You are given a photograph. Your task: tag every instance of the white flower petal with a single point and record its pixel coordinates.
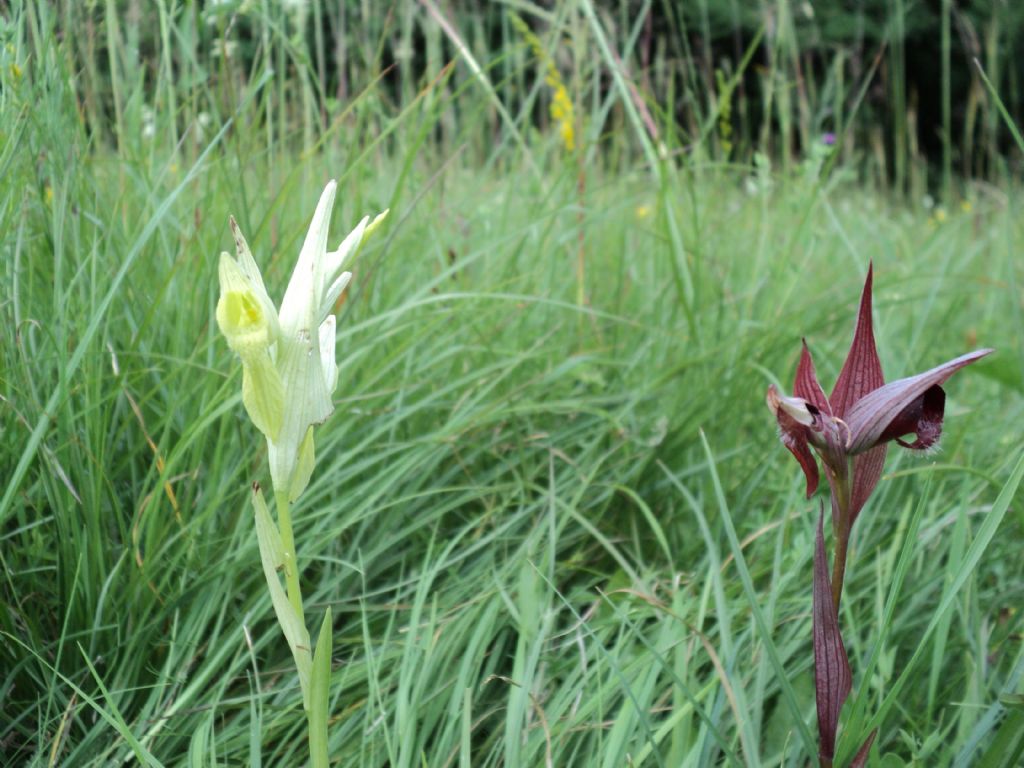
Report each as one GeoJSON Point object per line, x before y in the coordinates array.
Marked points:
{"type": "Point", "coordinates": [308, 401]}
{"type": "Point", "coordinates": [301, 298]}
{"type": "Point", "coordinates": [336, 259]}
{"type": "Point", "coordinates": [247, 265]}
{"type": "Point", "coordinates": [333, 293]}
{"type": "Point", "coordinates": [797, 408]}
{"type": "Point", "coordinates": [327, 342]}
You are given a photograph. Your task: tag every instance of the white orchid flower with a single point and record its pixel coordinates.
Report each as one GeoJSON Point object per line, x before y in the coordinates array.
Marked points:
{"type": "Point", "coordinates": [289, 369]}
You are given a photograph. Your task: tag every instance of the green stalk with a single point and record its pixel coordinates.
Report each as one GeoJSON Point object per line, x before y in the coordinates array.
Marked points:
{"type": "Point", "coordinates": [291, 571]}
{"type": "Point", "coordinates": [316, 715]}
{"type": "Point", "coordinates": [841, 532]}
{"type": "Point", "coordinates": [318, 757]}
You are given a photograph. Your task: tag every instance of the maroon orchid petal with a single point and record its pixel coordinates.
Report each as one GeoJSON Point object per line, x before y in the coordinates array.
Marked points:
{"type": "Point", "coordinates": [806, 384]}
{"type": "Point", "coordinates": [923, 417]}
{"type": "Point", "coordinates": [832, 678]}
{"type": "Point", "coordinates": [798, 447]}
{"type": "Point", "coordinates": [861, 758]}
{"type": "Point", "coordinates": [872, 415]}
{"type": "Point", "coordinates": [794, 436]}
{"type": "Point", "coordinates": [862, 371]}
{"type": "Point", "coordinates": [867, 471]}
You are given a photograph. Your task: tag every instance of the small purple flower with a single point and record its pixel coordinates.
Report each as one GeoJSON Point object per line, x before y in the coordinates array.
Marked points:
{"type": "Point", "coordinates": [828, 139]}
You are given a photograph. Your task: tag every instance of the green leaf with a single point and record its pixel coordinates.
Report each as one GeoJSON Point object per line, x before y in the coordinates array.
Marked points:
{"type": "Point", "coordinates": [305, 461]}
{"type": "Point", "coordinates": [294, 630]}
{"type": "Point", "coordinates": [1007, 747]}
{"type": "Point", "coordinates": [266, 531]}
{"type": "Point", "coordinates": [320, 686]}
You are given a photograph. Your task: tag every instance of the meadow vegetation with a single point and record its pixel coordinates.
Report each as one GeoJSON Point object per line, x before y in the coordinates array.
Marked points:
{"type": "Point", "coordinates": [551, 514]}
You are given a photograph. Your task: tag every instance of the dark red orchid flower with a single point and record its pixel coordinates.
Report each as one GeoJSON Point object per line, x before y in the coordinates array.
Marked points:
{"type": "Point", "coordinates": [854, 424]}
{"type": "Point", "coordinates": [850, 431]}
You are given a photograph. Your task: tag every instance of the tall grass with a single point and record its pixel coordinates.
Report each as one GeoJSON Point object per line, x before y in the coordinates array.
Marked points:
{"type": "Point", "coordinates": [532, 555]}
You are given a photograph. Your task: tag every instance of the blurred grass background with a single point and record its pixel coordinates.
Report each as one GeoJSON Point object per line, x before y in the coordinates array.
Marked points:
{"type": "Point", "coordinates": [532, 555]}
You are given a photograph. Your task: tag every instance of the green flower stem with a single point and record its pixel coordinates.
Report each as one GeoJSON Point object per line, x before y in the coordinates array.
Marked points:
{"type": "Point", "coordinates": [841, 532]}
{"type": "Point", "coordinates": [291, 571]}
{"type": "Point", "coordinates": [317, 729]}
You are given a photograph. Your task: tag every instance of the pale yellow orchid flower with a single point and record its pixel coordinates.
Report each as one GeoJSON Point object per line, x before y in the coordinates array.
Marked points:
{"type": "Point", "coordinates": [289, 371]}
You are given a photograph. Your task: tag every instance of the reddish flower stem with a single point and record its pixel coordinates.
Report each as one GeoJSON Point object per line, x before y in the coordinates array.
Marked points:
{"type": "Point", "coordinates": [839, 567]}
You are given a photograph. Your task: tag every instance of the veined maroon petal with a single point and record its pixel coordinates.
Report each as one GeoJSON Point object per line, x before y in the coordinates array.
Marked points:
{"type": "Point", "coordinates": [832, 679]}
{"type": "Point", "coordinates": [871, 416]}
{"type": "Point", "coordinates": [923, 417]}
{"type": "Point", "coordinates": [797, 445]}
{"type": "Point", "coordinates": [862, 371]}
{"type": "Point", "coordinates": [794, 436]}
{"type": "Point", "coordinates": [806, 384]}
{"type": "Point", "coordinates": [867, 471]}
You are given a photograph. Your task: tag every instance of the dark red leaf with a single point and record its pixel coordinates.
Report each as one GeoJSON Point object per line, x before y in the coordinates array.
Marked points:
{"type": "Point", "coordinates": [862, 371]}
{"type": "Point", "coordinates": [806, 384]}
{"type": "Point", "coordinates": [861, 758]}
{"type": "Point", "coordinates": [832, 677]}
{"type": "Point", "coordinates": [871, 416]}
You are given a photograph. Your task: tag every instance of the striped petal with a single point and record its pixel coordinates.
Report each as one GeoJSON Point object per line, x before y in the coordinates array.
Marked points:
{"type": "Point", "coordinates": [892, 407]}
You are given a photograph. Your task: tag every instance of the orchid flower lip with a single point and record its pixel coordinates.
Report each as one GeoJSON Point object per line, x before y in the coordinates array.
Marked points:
{"type": "Point", "coordinates": [799, 409]}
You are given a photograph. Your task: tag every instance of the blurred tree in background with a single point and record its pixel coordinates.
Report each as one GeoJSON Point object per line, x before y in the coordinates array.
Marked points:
{"type": "Point", "coordinates": [896, 80]}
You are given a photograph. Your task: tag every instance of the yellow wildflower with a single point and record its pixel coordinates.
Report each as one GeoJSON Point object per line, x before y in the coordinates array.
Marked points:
{"type": "Point", "coordinates": [561, 109]}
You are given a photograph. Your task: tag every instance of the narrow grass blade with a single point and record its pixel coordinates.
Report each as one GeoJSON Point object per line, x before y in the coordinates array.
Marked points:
{"type": "Point", "coordinates": [84, 343]}
{"type": "Point", "coordinates": [985, 535]}
{"type": "Point", "coordinates": [788, 695]}
{"type": "Point", "coordinates": [319, 694]}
